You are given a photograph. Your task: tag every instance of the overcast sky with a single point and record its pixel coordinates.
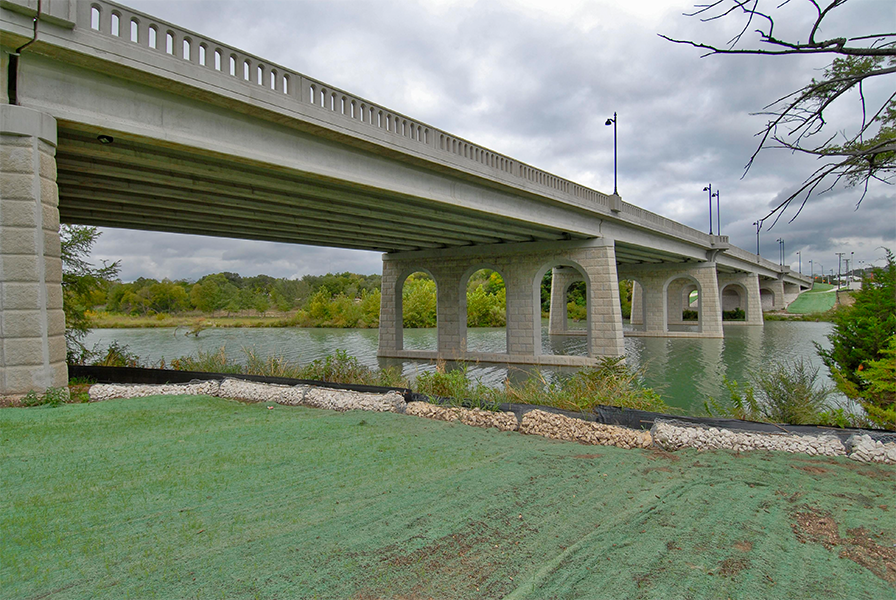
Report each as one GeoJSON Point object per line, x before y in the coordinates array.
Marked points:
{"type": "Point", "coordinates": [536, 80]}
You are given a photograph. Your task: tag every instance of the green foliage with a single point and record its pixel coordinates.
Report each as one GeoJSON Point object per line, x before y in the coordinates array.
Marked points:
{"type": "Point", "coordinates": [784, 393]}
{"type": "Point", "coordinates": [611, 382]}
{"type": "Point", "coordinates": [80, 281]}
{"type": "Point", "coordinates": [879, 394]}
{"type": "Point", "coordinates": [486, 300]}
{"type": "Point", "coordinates": [207, 362]}
{"type": "Point", "coordinates": [52, 397]}
{"type": "Point", "coordinates": [116, 356]}
{"type": "Point", "coordinates": [418, 299]}
{"type": "Point", "coordinates": [625, 297]}
{"type": "Point", "coordinates": [456, 387]}
{"type": "Point", "coordinates": [861, 336]}
{"type": "Point", "coordinates": [737, 314]}
{"type": "Point", "coordinates": [343, 368]}
{"type": "Point", "coordinates": [743, 403]}
{"type": "Point", "coordinates": [689, 315]}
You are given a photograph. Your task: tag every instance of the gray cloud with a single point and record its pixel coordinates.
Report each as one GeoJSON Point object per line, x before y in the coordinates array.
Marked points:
{"type": "Point", "coordinates": [537, 82]}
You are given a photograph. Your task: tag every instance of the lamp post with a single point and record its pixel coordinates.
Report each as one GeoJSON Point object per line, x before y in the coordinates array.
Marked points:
{"type": "Point", "coordinates": [781, 249]}
{"type": "Point", "coordinates": [811, 270]}
{"type": "Point", "coordinates": [718, 196]}
{"type": "Point", "coordinates": [613, 123]}
{"type": "Point", "coordinates": [758, 225]}
{"type": "Point", "coordinates": [839, 263]}
{"type": "Point", "coordinates": [708, 188]}
{"type": "Point", "coordinates": [800, 257]}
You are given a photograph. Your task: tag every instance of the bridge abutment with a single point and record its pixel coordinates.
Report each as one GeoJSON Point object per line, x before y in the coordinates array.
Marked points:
{"type": "Point", "coordinates": [32, 323]}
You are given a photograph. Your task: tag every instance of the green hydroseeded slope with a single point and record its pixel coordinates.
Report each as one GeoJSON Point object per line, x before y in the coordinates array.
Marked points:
{"type": "Point", "coordinates": [819, 299]}
{"type": "Point", "coordinates": [198, 497]}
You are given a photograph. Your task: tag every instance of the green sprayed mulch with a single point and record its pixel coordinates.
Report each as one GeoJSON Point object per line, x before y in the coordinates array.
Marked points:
{"type": "Point", "coordinates": [197, 497]}
{"type": "Point", "coordinates": [814, 301]}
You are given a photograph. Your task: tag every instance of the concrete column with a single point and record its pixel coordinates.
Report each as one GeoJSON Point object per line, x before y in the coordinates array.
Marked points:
{"type": "Point", "coordinates": [674, 304]}
{"type": "Point", "coordinates": [654, 304]}
{"type": "Point", "coordinates": [637, 305]}
{"type": "Point", "coordinates": [451, 323]}
{"type": "Point", "coordinates": [776, 287]}
{"type": "Point", "coordinates": [523, 306]}
{"type": "Point", "coordinates": [561, 279]}
{"type": "Point", "coordinates": [32, 324]}
{"type": "Point", "coordinates": [754, 302]}
{"type": "Point", "coordinates": [604, 311]}
{"type": "Point", "coordinates": [390, 330]}
{"type": "Point", "coordinates": [710, 303]}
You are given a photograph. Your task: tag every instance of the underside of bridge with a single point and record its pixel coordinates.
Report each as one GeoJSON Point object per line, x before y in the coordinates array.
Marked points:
{"type": "Point", "coordinates": [137, 183]}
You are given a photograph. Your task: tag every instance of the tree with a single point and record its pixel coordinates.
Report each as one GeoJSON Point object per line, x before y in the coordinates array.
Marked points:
{"type": "Point", "coordinates": [80, 278]}
{"type": "Point", "coordinates": [854, 153]}
{"type": "Point", "coordinates": [861, 335]}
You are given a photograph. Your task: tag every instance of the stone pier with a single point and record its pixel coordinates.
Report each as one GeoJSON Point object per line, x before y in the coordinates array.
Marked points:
{"type": "Point", "coordinates": [32, 324]}
{"type": "Point", "coordinates": [522, 266]}
{"type": "Point", "coordinates": [659, 296]}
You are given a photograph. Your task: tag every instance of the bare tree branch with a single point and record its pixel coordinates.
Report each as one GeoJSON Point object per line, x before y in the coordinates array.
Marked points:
{"type": "Point", "coordinates": [797, 121]}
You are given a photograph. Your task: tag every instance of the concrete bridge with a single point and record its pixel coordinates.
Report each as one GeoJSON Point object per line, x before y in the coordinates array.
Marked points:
{"type": "Point", "coordinates": [112, 117]}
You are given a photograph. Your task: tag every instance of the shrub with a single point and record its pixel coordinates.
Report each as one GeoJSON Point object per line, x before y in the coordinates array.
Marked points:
{"type": "Point", "coordinates": [737, 314]}
{"type": "Point", "coordinates": [861, 336]}
{"type": "Point", "coordinates": [456, 387]}
{"type": "Point", "coordinates": [784, 393]}
{"type": "Point", "coordinates": [52, 397]}
{"type": "Point", "coordinates": [611, 382]}
{"type": "Point", "coordinates": [879, 395]}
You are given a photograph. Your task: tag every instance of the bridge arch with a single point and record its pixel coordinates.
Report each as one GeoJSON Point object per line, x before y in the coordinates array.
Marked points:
{"type": "Point", "coordinates": [676, 289]}
{"type": "Point", "coordinates": [399, 298]}
{"type": "Point", "coordinates": [559, 345]}
{"type": "Point", "coordinates": [464, 308]}
{"type": "Point", "coordinates": [734, 296]}
{"type": "Point", "coordinates": [767, 298]}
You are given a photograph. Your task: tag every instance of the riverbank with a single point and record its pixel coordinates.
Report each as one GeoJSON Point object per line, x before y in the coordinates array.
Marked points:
{"type": "Point", "coordinates": [199, 496]}
{"type": "Point", "coordinates": [191, 321]}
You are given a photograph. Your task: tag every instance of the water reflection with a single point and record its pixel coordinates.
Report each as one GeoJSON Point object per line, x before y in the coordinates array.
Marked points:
{"type": "Point", "coordinates": [685, 370]}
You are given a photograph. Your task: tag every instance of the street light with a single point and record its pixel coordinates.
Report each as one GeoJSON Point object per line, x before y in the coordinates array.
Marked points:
{"type": "Point", "coordinates": [811, 270]}
{"type": "Point", "coordinates": [758, 225]}
{"type": "Point", "coordinates": [708, 188]}
{"type": "Point", "coordinates": [839, 263]}
{"type": "Point", "coordinates": [800, 257]}
{"type": "Point", "coordinates": [613, 123]}
{"type": "Point", "coordinates": [718, 196]}
{"type": "Point", "coordinates": [781, 248]}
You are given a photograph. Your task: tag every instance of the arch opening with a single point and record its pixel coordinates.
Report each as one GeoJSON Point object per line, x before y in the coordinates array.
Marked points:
{"type": "Point", "coordinates": [683, 307]}
{"type": "Point", "coordinates": [486, 310]}
{"type": "Point", "coordinates": [418, 311]}
{"type": "Point", "coordinates": [734, 302]}
{"type": "Point", "coordinates": [564, 293]}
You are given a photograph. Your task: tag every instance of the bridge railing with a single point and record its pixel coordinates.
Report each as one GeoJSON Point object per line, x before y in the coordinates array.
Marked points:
{"type": "Point", "coordinates": [357, 114]}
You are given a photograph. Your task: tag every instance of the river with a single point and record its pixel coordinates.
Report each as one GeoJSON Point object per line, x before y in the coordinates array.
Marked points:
{"type": "Point", "coordinates": [686, 371]}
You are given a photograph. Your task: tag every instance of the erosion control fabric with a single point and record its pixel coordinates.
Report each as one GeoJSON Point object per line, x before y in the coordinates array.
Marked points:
{"type": "Point", "coordinates": [198, 497]}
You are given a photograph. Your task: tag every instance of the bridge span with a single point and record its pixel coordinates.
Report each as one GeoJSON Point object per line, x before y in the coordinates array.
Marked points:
{"type": "Point", "coordinates": [111, 117]}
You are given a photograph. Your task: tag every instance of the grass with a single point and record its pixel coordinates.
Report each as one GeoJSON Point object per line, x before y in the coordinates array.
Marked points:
{"type": "Point", "coordinates": [197, 497]}
{"type": "Point", "coordinates": [817, 300]}
{"type": "Point", "coordinates": [104, 320]}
